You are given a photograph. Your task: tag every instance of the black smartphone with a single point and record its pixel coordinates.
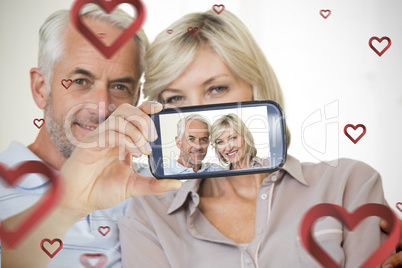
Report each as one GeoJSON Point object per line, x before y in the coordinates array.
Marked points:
{"type": "Point", "coordinates": [218, 140]}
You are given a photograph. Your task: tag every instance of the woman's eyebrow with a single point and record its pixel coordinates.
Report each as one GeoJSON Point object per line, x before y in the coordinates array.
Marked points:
{"type": "Point", "coordinates": [171, 90]}
{"type": "Point", "coordinates": [215, 77]}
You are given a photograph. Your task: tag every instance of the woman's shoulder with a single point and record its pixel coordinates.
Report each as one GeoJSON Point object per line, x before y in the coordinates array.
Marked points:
{"type": "Point", "coordinates": [342, 169]}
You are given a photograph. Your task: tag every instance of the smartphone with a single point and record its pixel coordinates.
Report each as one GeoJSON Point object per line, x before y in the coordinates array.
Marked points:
{"type": "Point", "coordinates": [218, 140]}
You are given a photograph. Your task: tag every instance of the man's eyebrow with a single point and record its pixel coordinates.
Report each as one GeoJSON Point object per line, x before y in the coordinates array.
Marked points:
{"type": "Point", "coordinates": [83, 72]}
{"type": "Point", "coordinates": [126, 80]}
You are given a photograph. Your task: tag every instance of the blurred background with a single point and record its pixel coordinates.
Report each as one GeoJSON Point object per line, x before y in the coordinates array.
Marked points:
{"type": "Point", "coordinates": [329, 74]}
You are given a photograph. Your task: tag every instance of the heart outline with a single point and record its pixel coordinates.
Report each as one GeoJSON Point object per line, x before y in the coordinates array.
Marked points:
{"type": "Point", "coordinates": [397, 206]}
{"type": "Point", "coordinates": [218, 12]}
{"type": "Point", "coordinates": [39, 126]}
{"type": "Point", "coordinates": [108, 6]}
{"type": "Point", "coordinates": [351, 220]}
{"type": "Point", "coordinates": [104, 227]}
{"type": "Point", "coordinates": [41, 209]}
{"type": "Point", "coordinates": [66, 80]}
{"type": "Point", "coordinates": [51, 255]}
{"type": "Point", "coordinates": [192, 28]}
{"type": "Point", "coordinates": [101, 262]}
{"type": "Point", "coordinates": [379, 41]}
{"type": "Point", "coordinates": [325, 10]}
{"type": "Point", "coordinates": [354, 128]}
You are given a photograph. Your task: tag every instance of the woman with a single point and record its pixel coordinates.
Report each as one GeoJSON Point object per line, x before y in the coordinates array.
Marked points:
{"type": "Point", "coordinates": [234, 144]}
{"type": "Point", "coordinates": [239, 221]}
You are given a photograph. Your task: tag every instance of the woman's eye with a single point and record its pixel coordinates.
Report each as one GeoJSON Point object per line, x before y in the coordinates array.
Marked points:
{"type": "Point", "coordinates": [174, 99]}
{"type": "Point", "coordinates": [218, 142]}
{"type": "Point", "coordinates": [233, 138]}
{"type": "Point", "coordinates": [219, 89]}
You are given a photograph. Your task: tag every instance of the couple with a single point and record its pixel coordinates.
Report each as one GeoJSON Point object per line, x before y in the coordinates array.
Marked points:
{"type": "Point", "coordinates": [241, 221]}
{"type": "Point", "coordinates": [232, 140]}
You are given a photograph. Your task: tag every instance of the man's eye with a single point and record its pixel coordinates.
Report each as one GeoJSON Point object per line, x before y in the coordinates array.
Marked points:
{"type": "Point", "coordinates": [81, 82]}
{"type": "Point", "coordinates": [174, 99]}
{"type": "Point", "coordinates": [121, 87]}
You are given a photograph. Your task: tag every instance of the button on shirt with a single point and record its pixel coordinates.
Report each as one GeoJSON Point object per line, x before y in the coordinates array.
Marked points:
{"type": "Point", "coordinates": [96, 233]}
{"type": "Point", "coordinates": [171, 231]}
{"type": "Point", "coordinates": [174, 167]}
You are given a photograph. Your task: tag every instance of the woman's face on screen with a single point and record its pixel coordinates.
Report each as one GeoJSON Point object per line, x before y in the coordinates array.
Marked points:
{"type": "Point", "coordinates": [207, 80]}
{"type": "Point", "coordinates": [230, 145]}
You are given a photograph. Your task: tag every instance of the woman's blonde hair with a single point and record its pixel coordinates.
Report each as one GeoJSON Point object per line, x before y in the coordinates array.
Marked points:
{"type": "Point", "coordinates": [170, 54]}
{"type": "Point", "coordinates": [235, 122]}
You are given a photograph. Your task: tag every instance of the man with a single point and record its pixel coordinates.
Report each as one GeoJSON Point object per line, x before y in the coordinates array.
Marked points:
{"type": "Point", "coordinates": [192, 139]}
{"type": "Point", "coordinates": [90, 134]}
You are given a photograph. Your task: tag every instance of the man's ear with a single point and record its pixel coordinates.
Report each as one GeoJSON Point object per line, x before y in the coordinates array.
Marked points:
{"type": "Point", "coordinates": [178, 142]}
{"type": "Point", "coordinates": [138, 96]}
{"type": "Point", "coordinates": [38, 87]}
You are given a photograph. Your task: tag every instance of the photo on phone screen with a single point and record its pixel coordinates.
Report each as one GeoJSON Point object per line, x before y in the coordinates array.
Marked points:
{"type": "Point", "coordinates": [218, 140]}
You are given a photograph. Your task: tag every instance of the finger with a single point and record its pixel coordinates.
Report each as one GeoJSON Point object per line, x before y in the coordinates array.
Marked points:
{"type": "Point", "coordinates": [393, 261]}
{"type": "Point", "coordinates": [151, 107]}
{"type": "Point", "coordinates": [143, 185]}
{"type": "Point", "coordinates": [138, 118]}
{"type": "Point", "coordinates": [385, 226]}
{"type": "Point", "coordinates": [132, 137]}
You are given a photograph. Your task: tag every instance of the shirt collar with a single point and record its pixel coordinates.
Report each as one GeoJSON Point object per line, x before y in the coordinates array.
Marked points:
{"type": "Point", "coordinates": [179, 168]}
{"type": "Point", "coordinates": [292, 166]}
{"type": "Point", "coordinates": [17, 153]}
{"type": "Point", "coordinates": [188, 187]}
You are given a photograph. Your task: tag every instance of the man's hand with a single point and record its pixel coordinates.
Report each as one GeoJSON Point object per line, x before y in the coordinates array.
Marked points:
{"type": "Point", "coordinates": [396, 259]}
{"type": "Point", "coordinates": [101, 176]}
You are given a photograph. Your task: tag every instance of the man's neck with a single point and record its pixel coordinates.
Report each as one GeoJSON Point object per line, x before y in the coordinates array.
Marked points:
{"type": "Point", "coordinates": [43, 147]}
{"type": "Point", "coordinates": [188, 165]}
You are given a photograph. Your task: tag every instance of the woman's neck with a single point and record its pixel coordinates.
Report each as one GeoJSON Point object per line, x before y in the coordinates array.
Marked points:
{"type": "Point", "coordinates": [245, 186]}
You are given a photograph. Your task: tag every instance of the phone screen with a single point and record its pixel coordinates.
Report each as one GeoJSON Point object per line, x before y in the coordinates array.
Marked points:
{"type": "Point", "coordinates": [218, 140]}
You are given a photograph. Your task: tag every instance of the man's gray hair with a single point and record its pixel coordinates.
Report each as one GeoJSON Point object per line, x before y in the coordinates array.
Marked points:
{"type": "Point", "coordinates": [51, 36]}
{"type": "Point", "coordinates": [181, 125]}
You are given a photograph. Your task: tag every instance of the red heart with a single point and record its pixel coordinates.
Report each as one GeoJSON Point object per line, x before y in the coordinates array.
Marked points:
{"type": "Point", "coordinates": [101, 262]}
{"type": "Point", "coordinates": [379, 40]}
{"type": "Point", "coordinates": [37, 213]}
{"type": "Point", "coordinates": [397, 206]}
{"type": "Point", "coordinates": [169, 31]}
{"type": "Point", "coordinates": [325, 13]}
{"type": "Point", "coordinates": [190, 30]}
{"type": "Point", "coordinates": [38, 120]}
{"type": "Point", "coordinates": [354, 128]}
{"type": "Point", "coordinates": [350, 220]}
{"type": "Point", "coordinates": [108, 6]}
{"type": "Point", "coordinates": [51, 255]}
{"type": "Point", "coordinates": [100, 228]}
{"type": "Point", "coordinates": [68, 84]}
{"type": "Point", "coordinates": [218, 8]}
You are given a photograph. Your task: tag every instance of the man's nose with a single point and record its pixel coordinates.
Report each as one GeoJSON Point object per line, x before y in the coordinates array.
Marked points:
{"type": "Point", "coordinates": [101, 96]}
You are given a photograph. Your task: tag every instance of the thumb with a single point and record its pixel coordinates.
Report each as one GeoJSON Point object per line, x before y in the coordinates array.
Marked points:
{"type": "Point", "coordinates": [144, 185]}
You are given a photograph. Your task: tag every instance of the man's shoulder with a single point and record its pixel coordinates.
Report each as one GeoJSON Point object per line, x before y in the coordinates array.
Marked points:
{"type": "Point", "coordinates": [16, 153]}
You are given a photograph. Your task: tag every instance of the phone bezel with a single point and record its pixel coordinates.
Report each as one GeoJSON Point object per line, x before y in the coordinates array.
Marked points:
{"type": "Point", "coordinates": [273, 109]}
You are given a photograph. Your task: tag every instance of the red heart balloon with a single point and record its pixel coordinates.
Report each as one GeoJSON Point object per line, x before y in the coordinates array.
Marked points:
{"type": "Point", "coordinates": [108, 6]}
{"type": "Point", "coordinates": [379, 53]}
{"type": "Point", "coordinates": [39, 211]}
{"type": "Point", "coordinates": [350, 220]}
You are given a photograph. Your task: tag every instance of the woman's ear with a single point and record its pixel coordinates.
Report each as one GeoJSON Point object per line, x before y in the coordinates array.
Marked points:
{"type": "Point", "coordinates": [38, 87]}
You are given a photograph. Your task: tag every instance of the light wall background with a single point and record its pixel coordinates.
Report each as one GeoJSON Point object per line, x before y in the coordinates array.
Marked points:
{"type": "Point", "coordinates": [329, 74]}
